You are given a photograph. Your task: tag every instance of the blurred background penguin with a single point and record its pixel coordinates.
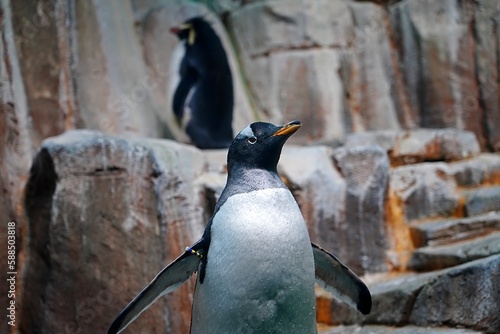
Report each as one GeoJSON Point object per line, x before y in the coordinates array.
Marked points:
{"type": "Point", "coordinates": [205, 85]}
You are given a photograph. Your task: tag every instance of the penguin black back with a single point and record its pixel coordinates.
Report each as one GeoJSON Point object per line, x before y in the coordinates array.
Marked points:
{"type": "Point", "coordinates": [205, 70]}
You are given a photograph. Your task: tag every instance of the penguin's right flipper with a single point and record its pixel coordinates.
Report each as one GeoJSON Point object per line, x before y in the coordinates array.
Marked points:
{"type": "Point", "coordinates": [167, 280]}
{"type": "Point", "coordinates": [333, 276]}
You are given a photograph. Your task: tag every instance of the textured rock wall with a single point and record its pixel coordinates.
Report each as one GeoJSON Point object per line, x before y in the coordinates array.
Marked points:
{"type": "Point", "coordinates": [106, 210]}
{"type": "Point", "coordinates": [356, 66]}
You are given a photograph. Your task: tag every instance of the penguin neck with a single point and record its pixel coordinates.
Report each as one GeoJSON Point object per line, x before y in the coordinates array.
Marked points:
{"type": "Point", "coordinates": [242, 179]}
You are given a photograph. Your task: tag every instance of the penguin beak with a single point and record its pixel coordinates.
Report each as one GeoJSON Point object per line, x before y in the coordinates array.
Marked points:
{"type": "Point", "coordinates": [288, 129]}
{"type": "Point", "coordinates": [175, 30]}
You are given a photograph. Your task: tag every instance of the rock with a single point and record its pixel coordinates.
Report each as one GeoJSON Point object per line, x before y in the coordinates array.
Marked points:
{"type": "Point", "coordinates": [438, 59]}
{"type": "Point", "coordinates": [439, 257]}
{"type": "Point", "coordinates": [424, 190]}
{"type": "Point", "coordinates": [316, 97]}
{"type": "Point", "coordinates": [15, 154]}
{"type": "Point", "coordinates": [320, 192]}
{"type": "Point", "coordinates": [362, 237]}
{"type": "Point", "coordinates": [45, 67]}
{"type": "Point", "coordinates": [442, 302]}
{"type": "Point", "coordinates": [414, 146]}
{"type": "Point", "coordinates": [483, 169]}
{"type": "Point", "coordinates": [115, 87]}
{"type": "Point", "coordinates": [374, 329]}
{"type": "Point", "coordinates": [435, 299]}
{"type": "Point", "coordinates": [268, 26]}
{"type": "Point", "coordinates": [330, 76]}
{"type": "Point", "coordinates": [105, 216]}
{"type": "Point", "coordinates": [482, 200]}
{"type": "Point", "coordinates": [486, 33]}
{"type": "Point", "coordinates": [163, 51]}
{"type": "Point", "coordinates": [446, 231]}
{"type": "Point", "coordinates": [370, 70]}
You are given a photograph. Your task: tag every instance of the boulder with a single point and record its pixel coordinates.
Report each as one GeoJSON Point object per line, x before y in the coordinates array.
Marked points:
{"type": "Point", "coordinates": [363, 237]}
{"type": "Point", "coordinates": [487, 36]}
{"type": "Point", "coordinates": [341, 194]}
{"type": "Point", "coordinates": [320, 191]}
{"type": "Point", "coordinates": [316, 59]}
{"type": "Point", "coordinates": [424, 190]}
{"type": "Point", "coordinates": [45, 67]}
{"type": "Point", "coordinates": [439, 257]}
{"type": "Point", "coordinates": [115, 88]}
{"type": "Point", "coordinates": [377, 329]}
{"type": "Point", "coordinates": [482, 200]}
{"type": "Point", "coordinates": [105, 215]}
{"type": "Point", "coordinates": [442, 301]}
{"type": "Point", "coordinates": [414, 146]}
{"type": "Point", "coordinates": [15, 154]}
{"type": "Point", "coordinates": [265, 27]}
{"type": "Point", "coordinates": [437, 51]}
{"type": "Point", "coordinates": [435, 299]}
{"type": "Point", "coordinates": [483, 169]}
{"type": "Point", "coordinates": [439, 232]}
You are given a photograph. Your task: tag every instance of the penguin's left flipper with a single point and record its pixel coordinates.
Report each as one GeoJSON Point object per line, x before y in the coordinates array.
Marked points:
{"type": "Point", "coordinates": [333, 276]}
{"type": "Point", "coordinates": [167, 280]}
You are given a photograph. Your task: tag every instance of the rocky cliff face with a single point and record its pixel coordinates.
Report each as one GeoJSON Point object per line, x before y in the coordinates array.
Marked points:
{"type": "Point", "coordinates": [403, 184]}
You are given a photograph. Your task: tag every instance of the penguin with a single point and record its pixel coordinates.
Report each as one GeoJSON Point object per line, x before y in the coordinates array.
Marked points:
{"type": "Point", "coordinates": [204, 70]}
{"type": "Point", "coordinates": [255, 262]}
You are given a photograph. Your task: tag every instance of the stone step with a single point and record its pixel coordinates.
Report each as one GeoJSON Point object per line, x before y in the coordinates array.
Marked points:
{"type": "Point", "coordinates": [439, 257]}
{"type": "Point", "coordinates": [440, 232]}
{"type": "Point", "coordinates": [483, 169]}
{"type": "Point", "coordinates": [377, 329]}
{"type": "Point", "coordinates": [482, 200]}
{"type": "Point", "coordinates": [464, 296]}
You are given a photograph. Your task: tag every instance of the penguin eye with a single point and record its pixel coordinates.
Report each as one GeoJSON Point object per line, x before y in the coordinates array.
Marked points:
{"type": "Point", "coordinates": [252, 140]}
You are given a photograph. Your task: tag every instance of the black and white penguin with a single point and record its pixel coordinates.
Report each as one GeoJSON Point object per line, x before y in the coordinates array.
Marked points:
{"type": "Point", "coordinates": [205, 70]}
{"type": "Point", "coordinates": [256, 265]}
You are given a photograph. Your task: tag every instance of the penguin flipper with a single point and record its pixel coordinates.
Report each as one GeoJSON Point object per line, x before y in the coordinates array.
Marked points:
{"type": "Point", "coordinates": [167, 280]}
{"type": "Point", "coordinates": [188, 80]}
{"type": "Point", "coordinates": [336, 278]}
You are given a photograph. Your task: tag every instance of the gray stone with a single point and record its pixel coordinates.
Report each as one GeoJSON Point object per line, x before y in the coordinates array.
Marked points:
{"type": "Point", "coordinates": [370, 71]}
{"type": "Point", "coordinates": [115, 89]}
{"type": "Point", "coordinates": [373, 329]}
{"type": "Point", "coordinates": [320, 192]}
{"type": "Point", "coordinates": [446, 231]}
{"type": "Point", "coordinates": [413, 146]}
{"type": "Point", "coordinates": [266, 27]}
{"type": "Point", "coordinates": [487, 35]}
{"type": "Point", "coordinates": [15, 154]}
{"type": "Point", "coordinates": [305, 85]}
{"type": "Point", "coordinates": [297, 68]}
{"type": "Point", "coordinates": [435, 299]}
{"type": "Point", "coordinates": [482, 200]}
{"type": "Point", "coordinates": [107, 213]}
{"type": "Point", "coordinates": [163, 51]}
{"type": "Point", "coordinates": [465, 296]}
{"type": "Point", "coordinates": [438, 61]}
{"type": "Point", "coordinates": [392, 301]}
{"type": "Point", "coordinates": [439, 257]}
{"type": "Point", "coordinates": [425, 190]}
{"type": "Point", "coordinates": [38, 39]}
{"type": "Point", "coordinates": [483, 169]}
{"type": "Point", "coordinates": [341, 194]}
{"type": "Point", "coordinates": [366, 171]}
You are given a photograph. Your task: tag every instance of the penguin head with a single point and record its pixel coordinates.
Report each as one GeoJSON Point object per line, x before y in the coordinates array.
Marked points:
{"type": "Point", "coordinates": [190, 29]}
{"type": "Point", "coordinates": [258, 146]}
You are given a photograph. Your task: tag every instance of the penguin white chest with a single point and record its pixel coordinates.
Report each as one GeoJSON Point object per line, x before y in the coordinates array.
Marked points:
{"type": "Point", "coordinates": [260, 268]}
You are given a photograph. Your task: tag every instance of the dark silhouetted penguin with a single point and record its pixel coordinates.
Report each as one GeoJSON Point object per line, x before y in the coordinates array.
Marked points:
{"type": "Point", "coordinates": [256, 265]}
{"type": "Point", "coordinates": [205, 70]}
